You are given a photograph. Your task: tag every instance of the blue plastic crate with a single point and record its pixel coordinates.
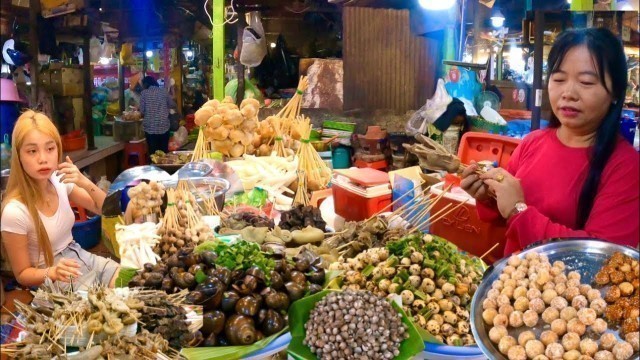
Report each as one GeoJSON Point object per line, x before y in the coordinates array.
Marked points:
{"type": "Point", "coordinates": [87, 233]}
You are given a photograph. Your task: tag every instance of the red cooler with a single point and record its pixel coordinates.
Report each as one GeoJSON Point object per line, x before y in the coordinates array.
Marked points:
{"type": "Point", "coordinates": [463, 227]}
{"type": "Point", "coordinates": [360, 193]}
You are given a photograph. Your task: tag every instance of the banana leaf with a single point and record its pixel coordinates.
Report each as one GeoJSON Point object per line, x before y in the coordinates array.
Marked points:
{"type": "Point", "coordinates": [228, 352]}
{"type": "Point", "coordinates": [333, 279]}
{"type": "Point", "coordinates": [299, 315]}
{"type": "Point", "coordinates": [125, 275]}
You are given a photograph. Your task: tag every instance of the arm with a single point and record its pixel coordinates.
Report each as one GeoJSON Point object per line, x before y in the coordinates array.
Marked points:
{"type": "Point", "coordinates": [614, 217]}
{"type": "Point", "coordinates": [27, 275]}
{"type": "Point", "coordinates": [86, 194]}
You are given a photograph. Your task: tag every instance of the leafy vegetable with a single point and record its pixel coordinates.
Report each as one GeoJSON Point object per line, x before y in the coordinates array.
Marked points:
{"type": "Point", "coordinates": [241, 255]}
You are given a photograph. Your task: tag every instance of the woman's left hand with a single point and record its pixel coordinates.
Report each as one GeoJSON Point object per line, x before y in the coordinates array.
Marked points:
{"type": "Point", "coordinates": [506, 187]}
{"type": "Point", "coordinates": [71, 174]}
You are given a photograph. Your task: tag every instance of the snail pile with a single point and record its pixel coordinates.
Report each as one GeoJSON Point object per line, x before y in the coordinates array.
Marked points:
{"type": "Point", "coordinates": [620, 273]}
{"type": "Point", "coordinates": [240, 220]}
{"type": "Point", "coordinates": [354, 325]}
{"type": "Point", "coordinates": [242, 305]}
{"type": "Point", "coordinates": [532, 293]}
{"type": "Point", "coordinates": [435, 281]}
{"type": "Point", "coordinates": [300, 217]}
{"type": "Point", "coordinates": [230, 129]}
{"type": "Point", "coordinates": [359, 236]}
{"type": "Point", "coordinates": [146, 198]}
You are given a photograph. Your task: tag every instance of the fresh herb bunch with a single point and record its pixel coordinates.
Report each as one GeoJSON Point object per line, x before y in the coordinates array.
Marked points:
{"type": "Point", "coordinates": [241, 255]}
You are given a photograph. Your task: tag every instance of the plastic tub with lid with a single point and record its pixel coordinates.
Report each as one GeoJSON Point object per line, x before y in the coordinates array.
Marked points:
{"type": "Point", "coordinates": [360, 193]}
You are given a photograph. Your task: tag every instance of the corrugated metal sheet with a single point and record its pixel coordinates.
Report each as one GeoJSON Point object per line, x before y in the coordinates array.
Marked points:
{"type": "Point", "coordinates": [385, 65]}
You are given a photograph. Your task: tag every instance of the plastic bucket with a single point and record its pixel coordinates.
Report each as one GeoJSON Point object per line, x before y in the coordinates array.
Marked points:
{"type": "Point", "coordinates": [87, 233]}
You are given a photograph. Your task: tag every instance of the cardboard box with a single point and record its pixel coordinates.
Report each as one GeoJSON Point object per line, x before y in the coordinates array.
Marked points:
{"type": "Point", "coordinates": [67, 82]}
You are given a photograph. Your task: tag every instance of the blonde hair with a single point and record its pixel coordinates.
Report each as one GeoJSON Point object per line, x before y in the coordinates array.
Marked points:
{"type": "Point", "coordinates": [21, 186]}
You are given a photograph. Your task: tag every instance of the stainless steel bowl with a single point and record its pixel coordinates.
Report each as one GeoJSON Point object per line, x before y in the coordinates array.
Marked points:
{"type": "Point", "coordinates": [200, 186]}
{"type": "Point", "coordinates": [193, 170]}
{"type": "Point", "coordinates": [584, 256]}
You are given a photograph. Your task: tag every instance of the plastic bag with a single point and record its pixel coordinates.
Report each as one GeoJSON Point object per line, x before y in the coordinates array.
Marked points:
{"type": "Point", "coordinates": [254, 43]}
{"type": "Point", "coordinates": [430, 112]}
{"type": "Point", "coordinates": [95, 47]}
{"type": "Point", "coordinates": [250, 90]}
{"type": "Point", "coordinates": [104, 184]}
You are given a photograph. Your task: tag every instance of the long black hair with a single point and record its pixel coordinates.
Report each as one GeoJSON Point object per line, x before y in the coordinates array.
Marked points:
{"type": "Point", "coordinates": [609, 58]}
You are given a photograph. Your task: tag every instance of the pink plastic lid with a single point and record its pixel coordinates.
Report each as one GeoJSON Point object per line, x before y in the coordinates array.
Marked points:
{"type": "Point", "coordinates": [365, 176]}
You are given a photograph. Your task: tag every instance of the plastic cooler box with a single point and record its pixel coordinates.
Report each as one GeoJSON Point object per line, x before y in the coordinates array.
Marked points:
{"type": "Point", "coordinates": [360, 193]}
{"type": "Point", "coordinates": [463, 227]}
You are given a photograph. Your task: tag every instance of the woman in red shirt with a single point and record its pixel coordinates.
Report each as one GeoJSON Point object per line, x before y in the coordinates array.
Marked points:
{"type": "Point", "coordinates": [579, 178]}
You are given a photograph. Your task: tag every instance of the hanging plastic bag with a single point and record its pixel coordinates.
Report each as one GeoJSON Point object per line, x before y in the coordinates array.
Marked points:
{"type": "Point", "coordinates": [254, 43]}
{"type": "Point", "coordinates": [95, 47]}
{"type": "Point", "coordinates": [126, 53]}
{"type": "Point", "coordinates": [430, 112]}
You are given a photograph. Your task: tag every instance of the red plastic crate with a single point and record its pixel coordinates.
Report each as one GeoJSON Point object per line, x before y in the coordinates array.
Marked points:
{"type": "Point", "coordinates": [463, 227]}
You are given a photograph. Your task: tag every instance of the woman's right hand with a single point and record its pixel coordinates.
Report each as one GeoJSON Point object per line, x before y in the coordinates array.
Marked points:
{"type": "Point", "coordinates": [473, 185]}
{"type": "Point", "coordinates": [65, 269]}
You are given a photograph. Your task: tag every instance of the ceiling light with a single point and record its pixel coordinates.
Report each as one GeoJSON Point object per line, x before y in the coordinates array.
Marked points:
{"type": "Point", "coordinates": [273, 45]}
{"type": "Point", "coordinates": [149, 53]}
{"type": "Point", "coordinates": [189, 53]}
{"type": "Point", "coordinates": [497, 19]}
{"type": "Point", "coordinates": [437, 4]}
{"type": "Point", "coordinates": [104, 61]}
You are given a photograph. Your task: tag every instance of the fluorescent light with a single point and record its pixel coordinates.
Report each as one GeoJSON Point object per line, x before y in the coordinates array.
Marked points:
{"type": "Point", "coordinates": [437, 4]}
{"type": "Point", "coordinates": [497, 19]}
{"type": "Point", "coordinates": [273, 45]}
{"type": "Point", "coordinates": [189, 53]}
{"type": "Point", "coordinates": [624, 5]}
{"type": "Point", "coordinates": [149, 53]}
{"type": "Point", "coordinates": [104, 61]}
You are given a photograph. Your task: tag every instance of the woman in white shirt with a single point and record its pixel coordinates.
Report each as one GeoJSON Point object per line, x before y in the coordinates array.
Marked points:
{"type": "Point", "coordinates": [36, 215]}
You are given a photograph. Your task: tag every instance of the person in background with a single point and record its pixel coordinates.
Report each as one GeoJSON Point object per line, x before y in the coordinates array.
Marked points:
{"type": "Point", "coordinates": [36, 213]}
{"type": "Point", "coordinates": [154, 106]}
{"type": "Point", "coordinates": [579, 178]}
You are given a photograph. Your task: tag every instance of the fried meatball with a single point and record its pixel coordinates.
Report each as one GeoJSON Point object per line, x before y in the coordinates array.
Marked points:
{"type": "Point", "coordinates": [503, 300]}
{"type": "Point", "coordinates": [599, 326]}
{"type": "Point", "coordinates": [622, 350]}
{"type": "Point", "coordinates": [543, 277]}
{"type": "Point", "coordinates": [549, 295]}
{"type": "Point", "coordinates": [576, 326]}
{"type": "Point", "coordinates": [608, 341]}
{"type": "Point", "coordinates": [571, 341]}
{"type": "Point", "coordinates": [559, 327]}
{"type": "Point", "coordinates": [498, 285]}
{"type": "Point", "coordinates": [509, 269]}
{"type": "Point", "coordinates": [585, 357]}
{"type": "Point", "coordinates": [559, 303]}
{"type": "Point", "coordinates": [571, 293]}
{"type": "Point", "coordinates": [588, 347]}
{"type": "Point", "coordinates": [593, 294]}
{"type": "Point", "coordinates": [537, 305]}
{"type": "Point", "coordinates": [519, 292]}
{"type": "Point", "coordinates": [504, 277]}
{"type": "Point", "coordinates": [501, 320]}
{"type": "Point", "coordinates": [561, 288]}
{"type": "Point", "coordinates": [555, 271]}
{"type": "Point", "coordinates": [521, 304]}
{"type": "Point", "coordinates": [517, 353]}
{"type": "Point", "coordinates": [534, 348]}
{"type": "Point", "coordinates": [533, 294]}
{"type": "Point", "coordinates": [530, 318]}
{"type": "Point", "coordinates": [579, 302]}
{"type": "Point", "coordinates": [602, 278]}
{"type": "Point", "coordinates": [613, 294]}
{"type": "Point", "coordinates": [488, 316]}
{"type": "Point", "coordinates": [554, 351]}
{"type": "Point", "coordinates": [506, 343]}
{"type": "Point", "coordinates": [525, 337]}
{"type": "Point", "coordinates": [616, 277]}
{"type": "Point", "coordinates": [489, 304]}
{"type": "Point", "coordinates": [532, 256]}
{"type": "Point", "coordinates": [496, 333]}
{"type": "Point", "coordinates": [508, 290]}
{"type": "Point", "coordinates": [541, 357]}
{"type": "Point", "coordinates": [633, 339]}
{"type": "Point", "coordinates": [493, 295]}
{"type": "Point", "coordinates": [518, 275]}
{"type": "Point", "coordinates": [587, 316]}
{"type": "Point", "coordinates": [548, 337]}
{"type": "Point", "coordinates": [550, 314]}
{"type": "Point", "coordinates": [630, 325]}
{"type": "Point", "coordinates": [515, 319]}
{"type": "Point", "coordinates": [514, 261]}
{"type": "Point", "coordinates": [573, 283]}
{"type": "Point", "coordinates": [505, 310]}
{"type": "Point", "coordinates": [561, 278]}
{"type": "Point", "coordinates": [568, 313]}
{"type": "Point", "coordinates": [584, 289]}
{"type": "Point", "coordinates": [511, 283]}
{"type": "Point", "coordinates": [599, 305]}
{"type": "Point", "coordinates": [571, 355]}
{"type": "Point", "coordinates": [604, 355]}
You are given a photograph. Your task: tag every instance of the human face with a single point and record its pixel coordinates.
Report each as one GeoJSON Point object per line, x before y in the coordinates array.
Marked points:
{"type": "Point", "coordinates": [39, 155]}
{"type": "Point", "coordinates": [578, 98]}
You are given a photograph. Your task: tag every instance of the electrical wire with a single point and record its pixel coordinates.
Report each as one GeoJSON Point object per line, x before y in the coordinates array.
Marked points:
{"type": "Point", "coordinates": [229, 14]}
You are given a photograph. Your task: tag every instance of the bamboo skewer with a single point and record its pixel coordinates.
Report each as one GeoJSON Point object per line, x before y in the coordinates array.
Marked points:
{"type": "Point", "coordinates": [490, 250]}
{"type": "Point", "coordinates": [316, 170]}
{"type": "Point", "coordinates": [200, 150]}
{"type": "Point", "coordinates": [302, 195]}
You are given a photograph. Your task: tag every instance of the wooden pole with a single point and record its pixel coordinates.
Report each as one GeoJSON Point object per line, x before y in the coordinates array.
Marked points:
{"type": "Point", "coordinates": [217, 52]}
{"type": "Point", "coordinates": [123, 105]}
{"type": "Point", "coordinates": [239, 67]}
{"type": "Point", "coordinates": [34, 11]}
{"type": "Point", "coordinates": [88, 85]}
{"type": "Point", "coordinates": [537, 69]}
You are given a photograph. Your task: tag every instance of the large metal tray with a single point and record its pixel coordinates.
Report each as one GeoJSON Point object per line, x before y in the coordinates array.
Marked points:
{"type": "Point", "coordinates": [581, 255]}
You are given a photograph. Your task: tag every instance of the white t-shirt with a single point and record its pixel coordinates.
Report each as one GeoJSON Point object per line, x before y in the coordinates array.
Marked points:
{"type": "Point", "coordinates": [16, 219]}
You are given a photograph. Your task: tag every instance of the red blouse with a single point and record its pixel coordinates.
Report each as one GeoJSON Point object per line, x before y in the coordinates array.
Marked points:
{"type": "Point", "coordinates": [552, 175]}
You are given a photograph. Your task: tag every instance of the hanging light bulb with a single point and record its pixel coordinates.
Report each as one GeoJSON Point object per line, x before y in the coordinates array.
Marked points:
{"type": "Point", "coordinates": [497, 19]}
{"type": "Point", "coordinates": [437, 4]}
{"type": "Point", "coordinates": [104, 61]}
{"type": "Point", "coordinates": [149, 53]}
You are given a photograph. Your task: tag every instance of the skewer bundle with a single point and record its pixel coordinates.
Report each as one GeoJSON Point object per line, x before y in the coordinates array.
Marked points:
{"type": "Point", "coordinates": [202, 147]}
{"type": "Point", "coordinates": [210, 204]}
{"type": "Point", "coordinates": [292, 109]}
{"type": "Point", "coordinates": [315, 169]}
{"type": "Point", "coordinates": [302, 195]}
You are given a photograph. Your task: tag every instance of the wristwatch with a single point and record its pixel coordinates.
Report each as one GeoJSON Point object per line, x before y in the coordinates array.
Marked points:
{"type": "Point", "coordinates": [518, 208]}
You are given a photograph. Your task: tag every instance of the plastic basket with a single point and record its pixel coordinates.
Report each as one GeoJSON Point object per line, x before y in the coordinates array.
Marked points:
{"type": "Point", "coordinates": [87, 233]}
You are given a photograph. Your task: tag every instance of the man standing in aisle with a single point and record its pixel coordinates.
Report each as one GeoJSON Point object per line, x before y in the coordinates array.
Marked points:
{"type": "Point", "coordinates": [154, 106]}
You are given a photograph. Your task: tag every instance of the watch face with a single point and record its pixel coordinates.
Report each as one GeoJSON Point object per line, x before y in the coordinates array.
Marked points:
{"type": "Point", "coordinates": [521, 207]}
